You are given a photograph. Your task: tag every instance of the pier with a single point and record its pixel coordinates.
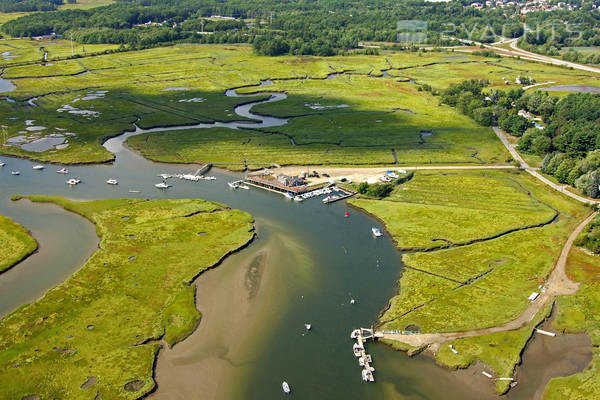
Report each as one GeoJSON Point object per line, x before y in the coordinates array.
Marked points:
{"type": "Point", "coordinates": [362, 335]}
{"type": "Point", "coordinates": [203, 169]}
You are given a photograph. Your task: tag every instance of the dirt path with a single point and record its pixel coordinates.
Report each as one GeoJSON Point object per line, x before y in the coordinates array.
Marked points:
{"type": "Point", "coordinates": [558, 284]}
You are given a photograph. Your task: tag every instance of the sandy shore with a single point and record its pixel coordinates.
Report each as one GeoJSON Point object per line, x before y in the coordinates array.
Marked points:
{"type": "Point", "coordinates": [360, 174]}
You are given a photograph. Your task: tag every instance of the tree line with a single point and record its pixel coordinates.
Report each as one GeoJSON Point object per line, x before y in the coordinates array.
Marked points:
{"type": "Point", "coordinates": [566, 133]}
{"type": "Point", "coordinates": [318, 27]}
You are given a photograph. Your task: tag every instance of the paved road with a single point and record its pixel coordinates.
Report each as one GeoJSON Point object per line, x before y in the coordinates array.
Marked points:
{"type": "Point", "coordinates": [558, 284]}
{"type": "Point", "coordinates": [532, 171]}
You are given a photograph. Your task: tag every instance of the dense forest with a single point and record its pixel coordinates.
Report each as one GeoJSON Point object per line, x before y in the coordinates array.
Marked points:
{"type": "Point", "coordinates": [8, 6]}
{"type": "Point", "coordinates": [322, 27]}
{"type": "Point", "coordinates": [569, 141]}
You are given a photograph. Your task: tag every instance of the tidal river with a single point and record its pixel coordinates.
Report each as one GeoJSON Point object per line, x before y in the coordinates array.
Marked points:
{"type": "Point", "coordinates": [306, 265]}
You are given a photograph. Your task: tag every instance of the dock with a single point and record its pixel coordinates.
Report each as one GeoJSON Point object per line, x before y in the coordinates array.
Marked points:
{"type": "Point", "coordinates": [362, 335]}
{"type": "Point", "coordinates": [345, 194]}
{"type": "Point", "coordinates": [203, 169]}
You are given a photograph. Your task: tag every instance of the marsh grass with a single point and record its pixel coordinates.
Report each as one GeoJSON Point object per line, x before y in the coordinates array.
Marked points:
{"type": "Point", "coordinates": [106, 320]}
{"type": "Point", "coordinates": [16, 243]}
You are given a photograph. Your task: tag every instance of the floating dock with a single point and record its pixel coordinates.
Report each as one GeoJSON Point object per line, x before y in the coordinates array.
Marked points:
{"type": "Point", "coordinates": [361, 336]}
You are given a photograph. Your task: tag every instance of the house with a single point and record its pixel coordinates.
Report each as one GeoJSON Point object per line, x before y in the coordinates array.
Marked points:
{"type": "Point", "coordinates": [290, 180]}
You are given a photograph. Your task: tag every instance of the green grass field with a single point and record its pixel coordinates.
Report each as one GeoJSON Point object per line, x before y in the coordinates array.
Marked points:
{"type": "Point", "coordinates": [137, 84]}
{"type": "Point", "coordinates": [106, 321]}
{"type": "Point", "coordinates": [16, 243]}
{"type": "Point", "coordinates": [484, 278]}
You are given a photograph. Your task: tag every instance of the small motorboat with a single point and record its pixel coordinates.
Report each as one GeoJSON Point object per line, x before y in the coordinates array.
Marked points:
{"type": "Point", "coordinates": [15, 173]}
{"type": "Point", "coordinates": [135, 191]}
{"type": "Point", "coordinates": [355, 334]}
{"type": "Point", "coordinates": [210, 178]}
{"type": "Point", "coordinates": [308, 326]}
{"type": "Point", "coordinates": [162, 185]}
{"type": "Point", "coordinates": [376, 232]}
{"type": "Point", "coordinates": [62, 171]}
{"type": "Point", "coordinates": [361, 361]}
{"type": "Point", "coordinates": [289, 196]}
{"type": "Point", "coordinates": [298, 198]}
{"type": "Point", "coordinates": [112, 182]}
{"type": "Point", "coordinates": [38, 167]}
{"type": "Point", "coordinates": [352, 301]}
{"type": "Point", "coordinates": [2, 164]}
{"type": "Point", "coordinates": [286, 387]}
{"type": "Point", "coordinates": [233, 185]}
{"type": "Point", "coordinates": [347, 214]}
{"type": "Point", "coordinates": [244, 187]}
{"type": "Point", "coordinates": [73, 181]}
{"type": "Point", "coordinates": [356, 349]}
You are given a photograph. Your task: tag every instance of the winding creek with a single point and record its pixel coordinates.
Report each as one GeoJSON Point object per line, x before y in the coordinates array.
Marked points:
{"type": "Point", "coordinates": [305, 265]}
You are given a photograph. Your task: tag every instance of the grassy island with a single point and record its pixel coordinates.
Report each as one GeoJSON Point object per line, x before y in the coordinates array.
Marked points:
{"type": "Point", "coordinates": [16, 243]}
{"type": "Point", "coordinates": [103, 327]}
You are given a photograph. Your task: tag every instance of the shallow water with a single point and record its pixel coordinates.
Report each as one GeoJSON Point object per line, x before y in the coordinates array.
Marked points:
{"type": "Point", "coordinates": [306, 264]}
{"type": "Point", "coordinates": [572, 88]}
{"type": "Point", "coordinates": [6, 86]}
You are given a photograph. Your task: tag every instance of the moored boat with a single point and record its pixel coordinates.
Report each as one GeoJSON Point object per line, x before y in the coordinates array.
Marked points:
{"type": "Point", "coordinates": [298, 198]}
{"type": "Point", "coordinates": [233, 185]}
{"type": "Point", "coordinates": [288, 195]}
{"type": "Point", "coordinates": [286, 387]}
{"type": "Point", "coordinates": [62, 171]}
{"type": "Point", "coordinates": [112, 182]}
{"type": "Point", "coordinates": [15, 173]}
{"type": "Point", "coordinates": [376, 232]}
{"type": "Point", "coordinates": [38, 167]}
{"type": "Point", "coordinates": [308, 326]}
{"type": "Point", "coordinates": [73, 181]}
{"type": "Point", "coordinates": [162, 185]}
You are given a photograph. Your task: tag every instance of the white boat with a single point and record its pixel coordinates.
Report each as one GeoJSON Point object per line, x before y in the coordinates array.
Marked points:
{"type": "Point", "coordinates": [162, 185]}
{"type": "Point", "coordinates": [361, 361]}
{"type": "Point", "coordinates": [367, 375]}
{"type": "Point", "coordinates": [352, 301]}
{"type": "Point", "coordinates": [62, 171]}
{"type": "Point", "coordinates": [298, 198]}
{"type": "Point", "coordinates": [233, 185]}
{"type": "Point", "coordinates": [135, 191]}
{"type": "Point", "coordinates": [112, 182]}
{"type": "Point", "coordinates": [289, 196]}
{"type": "Point", "coordinates": [308, 326]}
{"type": "Point", "coordinates": [73, 181]}
{"type": "Point", "coordinates": [244, 187]}
{"type": "Point", "coordinates": [286, 387]}
{"type": "Point", "coordinates": [2, 164]}
{"type": "Point", "coordinates": [164, 176]}
{"type": "Point", "coordinates": [355, 334]}
{"type": "Point", "coordinates": [210, 178]}
{"type": "Point", "coordinates": [15, 173]}
{"type": "Point", "coordinates": [38, 167]}
{"type": "Point", "coordinates": [376, 232]}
